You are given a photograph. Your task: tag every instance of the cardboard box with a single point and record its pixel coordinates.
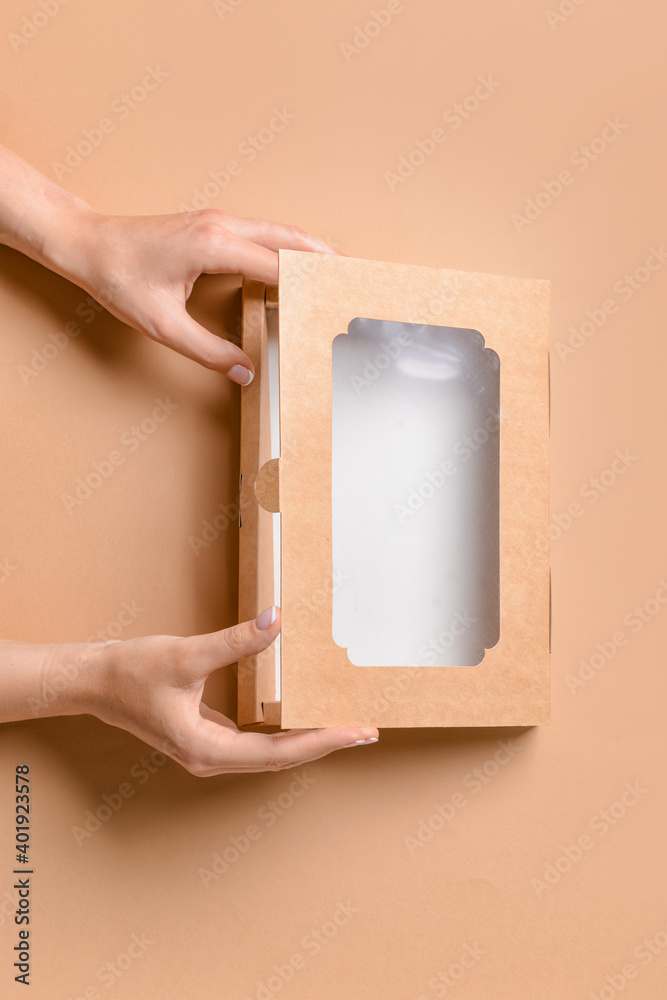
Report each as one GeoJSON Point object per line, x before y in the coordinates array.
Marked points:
{"type": "Point", "coordinates": [395, 496]}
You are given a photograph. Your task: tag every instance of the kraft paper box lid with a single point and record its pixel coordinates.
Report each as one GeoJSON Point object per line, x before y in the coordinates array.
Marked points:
{"type": "Point", "coordinates": [424, 325]}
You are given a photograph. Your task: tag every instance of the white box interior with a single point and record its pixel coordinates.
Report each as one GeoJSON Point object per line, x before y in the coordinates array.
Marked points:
{"type": "Point", "coordinates": [415, 494]}
{"type": "Point", "coordinates": [274, 410]}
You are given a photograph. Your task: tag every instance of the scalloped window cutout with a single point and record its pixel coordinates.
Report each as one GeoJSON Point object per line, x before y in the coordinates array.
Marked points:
{"type": "Point", "coordinates": [415, 494]}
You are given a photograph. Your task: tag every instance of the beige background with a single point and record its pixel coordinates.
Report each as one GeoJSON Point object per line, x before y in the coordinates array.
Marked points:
{"type": "Point", "coordinates": [342, 841]}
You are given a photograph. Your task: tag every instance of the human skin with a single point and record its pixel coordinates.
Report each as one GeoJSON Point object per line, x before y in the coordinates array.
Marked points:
{"type": "Point", "coordinates": [153, 687]}
{"type": "Point", "coordinates": [142, 270]}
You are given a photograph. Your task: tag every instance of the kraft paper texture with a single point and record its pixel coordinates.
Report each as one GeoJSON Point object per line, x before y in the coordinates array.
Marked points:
{"type": "Point", "coordinates": [318, 296]}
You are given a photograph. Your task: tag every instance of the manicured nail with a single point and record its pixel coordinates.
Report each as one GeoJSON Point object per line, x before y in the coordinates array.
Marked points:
{"type": "Point", "coordinates": [361, 743]}
{"type": "Point", "coordinates": [237, 373]}
{"type": "Point", "coordinates": [266, 618]}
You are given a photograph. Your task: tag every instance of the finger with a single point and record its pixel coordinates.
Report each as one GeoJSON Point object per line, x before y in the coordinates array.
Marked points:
{"type": "Point", "coordinates": [222, 720]}
{"type": "Point", "coordinates": [227, 253]}
{"type": "Point", "coordinates": [249, 247]}
{"type": "Point", "coordinates": [276, 235]}
{"type": "Point", "coordinates": [202, 654]}
{"type": "Point", "coordinates": [220, 751]}
{"type": "Point", "coordinates": [177, 329]}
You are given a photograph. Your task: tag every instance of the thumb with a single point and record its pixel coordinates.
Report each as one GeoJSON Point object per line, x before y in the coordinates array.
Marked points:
{"type": "Point", "coordinates": [176, 328]}
{"type": "Point", "coordinates": [202, 654]}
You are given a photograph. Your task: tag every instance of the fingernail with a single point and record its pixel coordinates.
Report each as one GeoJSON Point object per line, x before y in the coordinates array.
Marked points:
{"type": "Point", "coordinates": [237, 373]}
{"type": "Point", "coordinates": [266, 618]}
{"type": "Point", "coordinates": [361, 743]}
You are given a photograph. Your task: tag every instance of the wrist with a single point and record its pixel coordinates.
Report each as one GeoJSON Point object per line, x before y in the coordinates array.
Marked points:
{"type": "Point", "coordinates": [42, 220]}
{"type": "Point", "coordinates": [69, 240]}
{"type": "Point", "coordinates": [67, 679]}
{"type": "Point", "coordinates": [46, 679]}
{"type": "Point", "coordinates": [78, 677]}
